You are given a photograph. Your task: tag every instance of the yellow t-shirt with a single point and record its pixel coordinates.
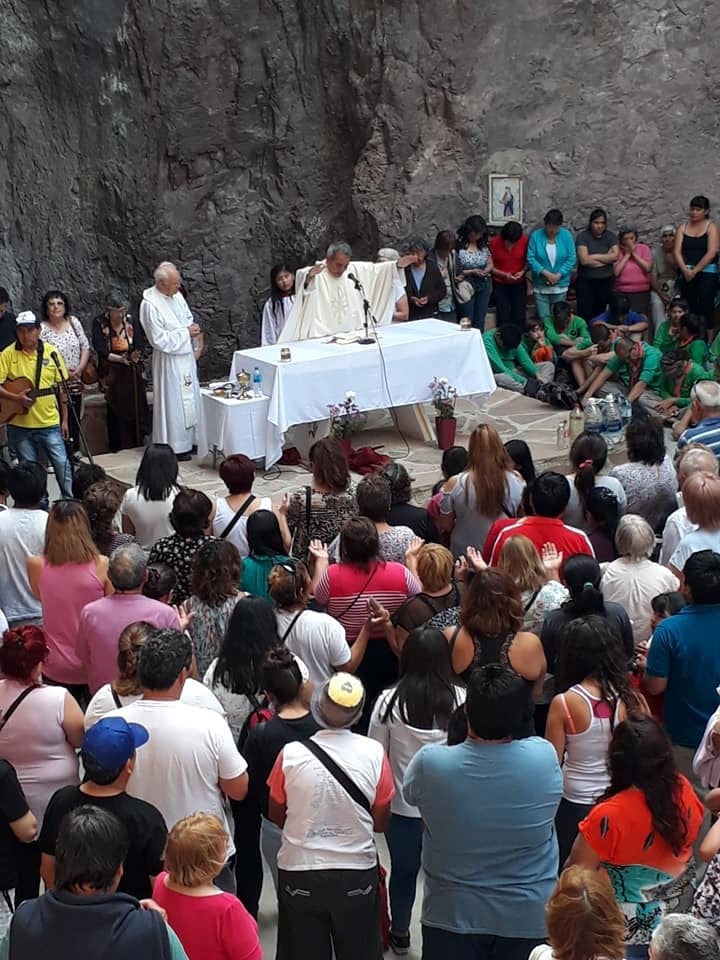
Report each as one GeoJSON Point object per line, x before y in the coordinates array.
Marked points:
{"type": "Point", "coordinates": [16, 363]}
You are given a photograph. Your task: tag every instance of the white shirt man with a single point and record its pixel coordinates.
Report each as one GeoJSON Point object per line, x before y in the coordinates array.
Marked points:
{"type": "Point", "coordinates": [190, 761]}
{"type": "Point", "coordinates": [677, 526]}
{"type": "Point", "coordinates": [169, 327]}
{"type": "Point", "coordinates": [328, 302]}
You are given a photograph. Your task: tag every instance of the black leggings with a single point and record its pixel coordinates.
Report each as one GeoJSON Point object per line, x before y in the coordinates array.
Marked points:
{"type": "Point", "coordinates": [248, 861]}
{"type": "Point", "coordinates": [510, 304]}
{"type": "Point", "coordinates": [593, 296]}
{"type": "Point", "coordinates": [700, 295]}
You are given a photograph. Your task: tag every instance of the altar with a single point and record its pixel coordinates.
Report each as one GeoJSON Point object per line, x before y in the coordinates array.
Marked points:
{"type": "Point", "coordinates": [394, 372]}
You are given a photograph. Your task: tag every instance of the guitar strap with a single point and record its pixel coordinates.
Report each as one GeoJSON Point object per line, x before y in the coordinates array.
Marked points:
{"type": "Point", "coordinates": [38, 363]}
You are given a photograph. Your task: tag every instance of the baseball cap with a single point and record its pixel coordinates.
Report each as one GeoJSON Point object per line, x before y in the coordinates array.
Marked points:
{"type": "Point", "coordinates": [338, 703]}
{"type": "Point", "coordinates": [26, 318]}
{"type": "Point", "coordinates": [112, 741]}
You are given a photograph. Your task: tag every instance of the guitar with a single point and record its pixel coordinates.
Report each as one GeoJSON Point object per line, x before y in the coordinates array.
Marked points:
{"type": "Point", "coordinates": [11, 408]}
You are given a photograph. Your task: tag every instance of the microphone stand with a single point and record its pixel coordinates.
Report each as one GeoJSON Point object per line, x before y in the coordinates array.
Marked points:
{"type": "Point", "coordinates": [368, 313]}
{"type": "Point", "coordinates": [71, 408]}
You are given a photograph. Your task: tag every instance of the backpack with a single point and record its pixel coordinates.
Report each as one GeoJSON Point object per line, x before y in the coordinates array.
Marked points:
{"type": "Point", "coordinates": [261, 712]}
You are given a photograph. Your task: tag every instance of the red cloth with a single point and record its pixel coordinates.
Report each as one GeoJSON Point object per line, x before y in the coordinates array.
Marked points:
{"type": "Point", "coordinates": [209, 928]}
{"type": "Point", "coordinates": [541, 530]}
{"type": "Point", "coordinates": [366, 460]}
{"type": "Point", "coordinates": [509, 261]}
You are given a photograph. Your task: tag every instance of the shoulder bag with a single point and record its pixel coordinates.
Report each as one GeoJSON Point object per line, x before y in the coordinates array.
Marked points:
{"type": "Point", "coordinates": [238, 513]}
{"type": "Point", "coordinates": [16, 703]}
{"type": "Point", "coordinates": [462, 289]}
{"type": "Point", "coordinates": [90, 373]}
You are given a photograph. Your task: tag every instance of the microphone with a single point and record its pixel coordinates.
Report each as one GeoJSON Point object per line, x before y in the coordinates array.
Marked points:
{"type": "Point", "coordinates": [355, 281]}
{"type": "Point", "coordinates": [54, 356]}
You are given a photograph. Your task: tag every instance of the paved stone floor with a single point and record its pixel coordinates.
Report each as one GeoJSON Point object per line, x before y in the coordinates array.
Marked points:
{"type": "Point", "coordinates": [512, 414]}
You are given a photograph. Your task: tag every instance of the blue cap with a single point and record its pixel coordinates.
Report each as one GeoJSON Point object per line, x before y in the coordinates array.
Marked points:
{"type": "Point", "coordinates": [112, 741]}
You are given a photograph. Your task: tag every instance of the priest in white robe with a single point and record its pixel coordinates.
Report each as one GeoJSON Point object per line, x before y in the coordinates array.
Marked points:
{"type": "Point", "coordinates": [328, 302]}
{"type": "Point", "coordinates": [169, 327]}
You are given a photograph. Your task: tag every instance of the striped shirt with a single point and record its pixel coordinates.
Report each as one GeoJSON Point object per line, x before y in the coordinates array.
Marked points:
{"type": "Point", "coordinates": [707, 432]}
{"type": "Point", "coordinates": [345, 590]}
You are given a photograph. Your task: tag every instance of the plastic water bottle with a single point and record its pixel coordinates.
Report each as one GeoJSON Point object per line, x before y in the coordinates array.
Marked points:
{"type": "Point", "coordinates": [593, 417]}
{"type": "Point", "coordinates": [577, 422]}
{"type": "Point", "coordinates": [257, 382]}
{"type": "Point", "coordinates": [625, 408]}
{"type": "Point", "coordinates": [611, 417]}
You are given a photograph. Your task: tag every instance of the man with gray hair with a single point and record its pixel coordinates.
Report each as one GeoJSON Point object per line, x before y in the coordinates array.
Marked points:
{"type": "Point", "coordinates": [704, 413]}
{"type": "Point", "coordinates": [680, 936]}
{"type": "Point", "coordinates": [102, 621]}
{"type": "Point", "coordinates": [695, 458]}
{"type": "Point", "coordinates": [170, 329]}
{"type": "Point", "coordinates": [329, 296]}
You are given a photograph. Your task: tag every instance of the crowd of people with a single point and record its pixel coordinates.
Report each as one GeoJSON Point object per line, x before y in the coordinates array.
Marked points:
{"type": "Point", "coordinates": [517, 683]}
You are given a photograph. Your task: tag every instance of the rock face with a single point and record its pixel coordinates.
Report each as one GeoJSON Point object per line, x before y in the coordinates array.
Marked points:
{"type": "Point", "coordinates": [232, 134]}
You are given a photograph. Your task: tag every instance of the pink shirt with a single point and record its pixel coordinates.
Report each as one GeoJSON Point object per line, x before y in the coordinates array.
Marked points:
{"type": "Point", "coordinates": [633, 279]}
{"type": "Point", "coordinates": [389, 583]}
{"type": "Point", "coordinates": [216, 927]}
{"type": "Point", "coordinates": [64, 591]}
{"type": "Point", "coordinates": [34, 743]}
{"type": "Point", "coordinates": [102, 622]}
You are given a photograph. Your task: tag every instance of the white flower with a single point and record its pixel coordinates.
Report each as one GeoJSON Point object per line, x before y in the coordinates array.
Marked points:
{"type": "Point", "coordinates": [350, 395]}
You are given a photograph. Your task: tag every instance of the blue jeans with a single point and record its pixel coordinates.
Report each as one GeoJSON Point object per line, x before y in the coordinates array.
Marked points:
{"type": "Point", "coordinates": [544, 303]}
{"type": "Point", "coordinates": [404, 840]}
{"type": "Point", "coordinates": [29, 441]}
{"type": "Point", "coordinates": [476, 308]}
{"type": "Point", "coordinates": [442, 945]}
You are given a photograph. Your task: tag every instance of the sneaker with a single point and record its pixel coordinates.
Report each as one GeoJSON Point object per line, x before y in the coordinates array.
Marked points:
{"type": "Point", "coordinates": [400, 943]}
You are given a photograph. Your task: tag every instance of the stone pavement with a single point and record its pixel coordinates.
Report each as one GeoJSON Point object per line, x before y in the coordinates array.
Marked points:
{"type": "Point", "coordinates": [512, 414]}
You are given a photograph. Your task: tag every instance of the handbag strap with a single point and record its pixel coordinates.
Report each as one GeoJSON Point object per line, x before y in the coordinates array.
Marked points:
{"type": "Point", "coordinates": [294, 620]}
{"type": "Point", "coordinates": [348, 608]}
{"type": "Point", "coordinates": [308, 510]}
{"type": "Point", "coordinates": [116, 698]}
{"type": "Point", "coordinates": [16, 703]}
{"type": "Point", "coordinates": [345, 781]}
{"type": "Point", "coordinates": [532, 600]}
{"type": "Point", "coordinates": [238, 513]}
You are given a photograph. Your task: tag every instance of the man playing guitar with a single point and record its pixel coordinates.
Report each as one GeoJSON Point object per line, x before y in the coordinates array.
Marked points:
{"type": "Point", "coordinates": [31, 373]}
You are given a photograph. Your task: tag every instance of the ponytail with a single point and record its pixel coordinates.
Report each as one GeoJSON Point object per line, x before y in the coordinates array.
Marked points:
{"type": "Point", "coordinates": [588, 455]}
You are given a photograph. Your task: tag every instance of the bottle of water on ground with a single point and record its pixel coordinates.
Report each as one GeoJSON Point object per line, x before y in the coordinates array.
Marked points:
{"type": "Point", "coordinates": [577, 422]}
{"type": "Point", "coordinates": [593, 417]}
{"type": "Point", "coordinates": [611, 418]}
{"type": "Point", "coordinates": [257, 382]}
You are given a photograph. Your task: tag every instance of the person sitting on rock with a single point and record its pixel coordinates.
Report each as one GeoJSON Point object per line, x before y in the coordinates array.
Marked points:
{"type": "Point", "coordinates": [511, 363]}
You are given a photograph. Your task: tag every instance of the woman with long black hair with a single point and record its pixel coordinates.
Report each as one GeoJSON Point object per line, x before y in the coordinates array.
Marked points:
{"type": "Point", "coordinates": [642, 829]}
{"type": "Point", "coordinates": [236, 679]}
{"type": "Point", "coordinates": [588, 456]}
{"type": "Point", "coordinates": [581, 574]}
{"type": "Point", "coordinates": [146, 507]}
{"type": "Point", "coordinates": [278, 305]}
{"type": "Point", "coordinates": [592, 672]}
{"type": "Point", "coordinates": [267, 547]}
{"type": "Point", "coordinates": [412, 713]}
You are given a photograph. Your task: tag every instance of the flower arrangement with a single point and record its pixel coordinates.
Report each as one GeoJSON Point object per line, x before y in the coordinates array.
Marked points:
{"type": "Point", "coordinates": [346, 418]}
{"type": "Point", "coordinates": [444, 396]}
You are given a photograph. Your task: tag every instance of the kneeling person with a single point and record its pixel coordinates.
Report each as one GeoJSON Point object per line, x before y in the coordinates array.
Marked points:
{"type": "Point", "coordinates": [635, 371]}
{"type": "Point", "coordinates": [511, 364]}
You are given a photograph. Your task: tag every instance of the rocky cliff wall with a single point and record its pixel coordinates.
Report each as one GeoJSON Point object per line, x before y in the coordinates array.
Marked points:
{"type": "Point", "coordinates": [229, 134]}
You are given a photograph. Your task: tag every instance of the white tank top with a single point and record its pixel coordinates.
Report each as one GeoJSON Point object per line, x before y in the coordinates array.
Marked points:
{"type": "Point", "coordinates": [238, 535]}
{"type": "Point", "coordinates": [585, 773]}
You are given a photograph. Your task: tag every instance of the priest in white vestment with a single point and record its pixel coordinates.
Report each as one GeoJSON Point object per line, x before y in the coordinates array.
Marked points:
{"type": "Point", "coordinates": [327, 301]}
{"type": "Point", "coordinates": [169, 327]}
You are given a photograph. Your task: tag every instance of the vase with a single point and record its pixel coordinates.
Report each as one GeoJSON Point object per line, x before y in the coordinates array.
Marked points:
{"type": "Point", "coordinates": [445, 429]}
{"type": "Point", "coordinates": [346, 444]}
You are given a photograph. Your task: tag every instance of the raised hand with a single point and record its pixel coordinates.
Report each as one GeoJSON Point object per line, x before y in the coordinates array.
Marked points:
{"type": "Point", "coordinates": [318, 550]}
{"type": "Point", "coordinates": [475, 560]}
{"type": "Point", "coordinates": [552, 560]}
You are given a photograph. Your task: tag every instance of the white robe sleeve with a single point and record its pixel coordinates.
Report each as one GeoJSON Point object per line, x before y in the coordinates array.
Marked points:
{"type": "Point", "coordinates": [292, 329]}
{"type": "Point", "coordinates": [268, 329]}
{"type": "Point", "coordinates": [159, 336]}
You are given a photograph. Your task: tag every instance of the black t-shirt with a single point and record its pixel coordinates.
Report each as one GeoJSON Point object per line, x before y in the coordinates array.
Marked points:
{"type": "Point", "coordinates": [556, 620]}
{"type": "Point", "coordinates": [264, 743]}
{"type": "Point", "coordinates": [13, 806]}
{"type": "Point", "coordinates": [145, 827]}
{"type": "Point", "coordinates": [7, 329]}
{"type": "Point", "coordinates": [417, 518]}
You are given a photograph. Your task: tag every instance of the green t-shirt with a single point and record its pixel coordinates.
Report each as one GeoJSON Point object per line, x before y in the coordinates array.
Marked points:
{"type": "Point", "coordinates": [650, 372]}
{"type": "Point", "coordinates": [577, 328]}
{"type": "Point", "coordinates": [667, 388]}
{"type": "Point", "coordinates": [510, 362]}
{"type": "Point", "coordinates": [664, 341]}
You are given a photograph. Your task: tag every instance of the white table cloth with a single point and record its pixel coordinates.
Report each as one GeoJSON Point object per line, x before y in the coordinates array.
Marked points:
{"type": "Point", "coordinates": [320, 373]}
{"type": "Point", "coordinates": [233, 426]}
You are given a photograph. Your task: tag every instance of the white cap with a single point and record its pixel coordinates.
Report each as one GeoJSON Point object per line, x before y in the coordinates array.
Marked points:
{"type": "Point", "coordinates": [25, 318]}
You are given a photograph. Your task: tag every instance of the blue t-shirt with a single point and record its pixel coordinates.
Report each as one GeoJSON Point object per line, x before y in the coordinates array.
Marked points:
{"type": "Point", "coordinates": [685, 649]}
{"type": "Point", "coordinates": [490, 854]}
{"type": "Point", "coordinates": [630, 320]}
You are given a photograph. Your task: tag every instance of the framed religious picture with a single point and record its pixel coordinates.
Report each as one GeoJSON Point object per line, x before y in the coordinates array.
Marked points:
{"type": "Point", "coordinates": [505, 199]}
